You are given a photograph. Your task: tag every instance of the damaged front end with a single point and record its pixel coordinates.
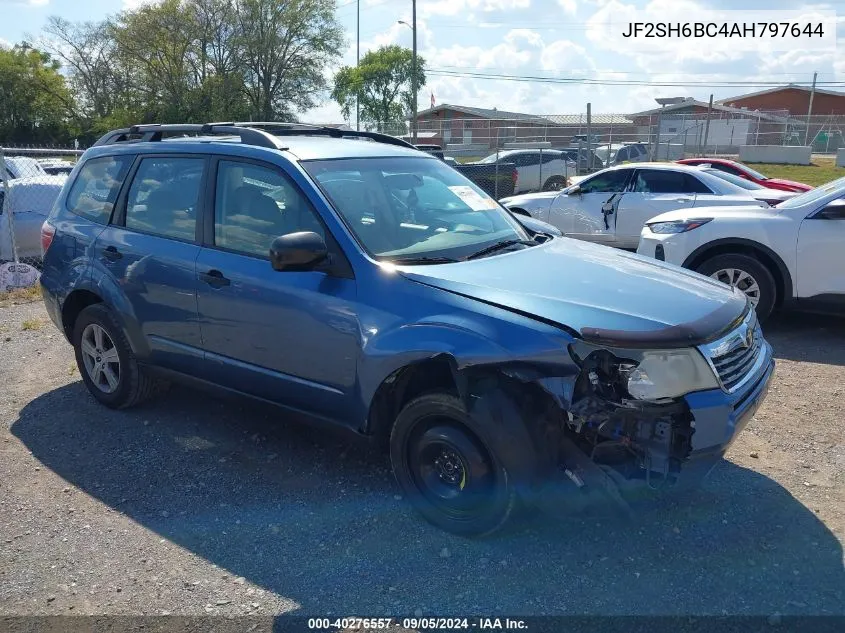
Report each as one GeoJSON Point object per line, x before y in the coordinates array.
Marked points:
{"type": "Point", "coordinates": [646, 438]}
{"type": "Point", "coordinates": [628, 422]}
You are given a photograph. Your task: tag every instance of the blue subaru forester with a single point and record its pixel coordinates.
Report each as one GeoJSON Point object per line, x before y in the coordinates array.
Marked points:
{"type": "Point", "coordinates": [356, 281]}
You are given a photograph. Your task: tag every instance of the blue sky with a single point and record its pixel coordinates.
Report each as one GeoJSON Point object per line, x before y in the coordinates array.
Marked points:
{"type": "Point", "coordinates": [547, 38]}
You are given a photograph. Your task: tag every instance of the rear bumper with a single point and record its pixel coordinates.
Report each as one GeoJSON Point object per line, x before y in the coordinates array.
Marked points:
{"type": "Point", "coordinates": [51, 303]}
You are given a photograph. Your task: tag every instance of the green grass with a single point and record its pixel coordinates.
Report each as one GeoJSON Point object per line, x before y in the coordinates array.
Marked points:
{"type": "Point", "coordinates": [32, 324]}
{"type": "Point", "coordinates": [20, 295]}
{"type": "Point", "coordinates": [822, 170]}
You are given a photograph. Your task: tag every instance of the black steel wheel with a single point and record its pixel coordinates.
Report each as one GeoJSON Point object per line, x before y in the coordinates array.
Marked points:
{"type": "Point", "coordinates": [446, 468]}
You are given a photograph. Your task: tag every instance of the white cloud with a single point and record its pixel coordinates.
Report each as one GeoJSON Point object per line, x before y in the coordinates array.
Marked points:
{"type": "Point", "coordinates": [568, 6]}
{"type": "Point", "coordinates": [462, 7]}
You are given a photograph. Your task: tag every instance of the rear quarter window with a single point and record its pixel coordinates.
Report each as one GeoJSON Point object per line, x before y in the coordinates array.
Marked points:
{"type": "Point", "coordinates": [97, 185]}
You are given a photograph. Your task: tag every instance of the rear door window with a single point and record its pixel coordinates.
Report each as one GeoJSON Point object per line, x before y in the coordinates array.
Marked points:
{"type": "Point", "coordinates": [666, 181]}
{"type": "Point", "coordinates": [97, 185]}
{"type": "Point", "coordinates": [164, 196]}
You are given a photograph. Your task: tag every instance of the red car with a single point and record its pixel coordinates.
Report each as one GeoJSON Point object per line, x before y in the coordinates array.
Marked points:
{"type": "Point", "coordinates": [744, 171]}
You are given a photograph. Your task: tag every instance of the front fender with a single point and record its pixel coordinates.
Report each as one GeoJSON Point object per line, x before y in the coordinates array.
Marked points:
{"type": "Point", "coordinates": [446, 335]}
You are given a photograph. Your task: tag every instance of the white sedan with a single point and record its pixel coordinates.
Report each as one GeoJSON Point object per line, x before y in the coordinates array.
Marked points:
{"type": "Point", "coordinates": [793, 253]}
{"type": "Point", "coordinates": [611, 206]}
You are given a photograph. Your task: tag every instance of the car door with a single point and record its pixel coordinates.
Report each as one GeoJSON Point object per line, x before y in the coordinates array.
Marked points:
{"type": "Point", "coordinates": [588, 212]}
{"type": "Point", "coordinates": [528, 168]}
{"type": "Point", "coordinates": [148, 252]}
{"type": "Point", "coordinates": [653, 191]}
{"type": "Point", "coordinates": [288, 337]}
{"type": "Point", "coordinates": [821, 256]}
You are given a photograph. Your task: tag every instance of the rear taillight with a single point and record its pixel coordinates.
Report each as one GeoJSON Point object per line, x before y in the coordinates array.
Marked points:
{"type": "Point", "coordinates": [48, 231]}
{"type": "Point", "coordinates": [514, 177]}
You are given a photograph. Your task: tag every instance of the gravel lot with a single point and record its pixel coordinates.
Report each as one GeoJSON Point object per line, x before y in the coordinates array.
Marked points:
{"type": "Point", "coordinates": [193, 505]}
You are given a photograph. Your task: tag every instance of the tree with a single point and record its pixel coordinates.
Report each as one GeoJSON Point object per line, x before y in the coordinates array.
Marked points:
{"type": "Point", "coordinates": [382, 85]}
{"type": "Point", "coordinates": [284, 45]}
{"type": "Point", "coordinates": [87, 53]}
{"type": "Point", "coordinates": [34, 99]}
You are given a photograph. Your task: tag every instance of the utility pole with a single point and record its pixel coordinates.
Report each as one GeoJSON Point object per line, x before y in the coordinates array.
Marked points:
{"type": "Point", "coordinates": [358, 63]}
{"type": "Point", "coordinates": [414, 73]}
{"type": "Point", "coordinates": [589, 137]}
{"type": "Point", "coordinates": [810, 109]}
{"type": "Point", "coordinates": [707, 124]}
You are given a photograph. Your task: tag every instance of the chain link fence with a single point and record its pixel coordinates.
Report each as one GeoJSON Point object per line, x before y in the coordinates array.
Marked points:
{"type": "Point", "coordinates": [30, 182]}
{"type": "Point", "coordinates": [469, 134]}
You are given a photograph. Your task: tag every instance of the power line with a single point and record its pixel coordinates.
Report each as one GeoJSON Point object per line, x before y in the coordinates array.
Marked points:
{"type": "Point", "coordinates": [617, 82]}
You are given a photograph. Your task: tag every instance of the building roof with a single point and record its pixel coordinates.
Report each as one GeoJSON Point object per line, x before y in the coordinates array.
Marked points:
{"type": "Point", "coordinates": [780, 89]}
{"type": "Point", "coordinates": [690, 102]}
{"type": "Point", "coordinates": [595, 119]}
{"type": "Point", "coordinates": [484, 113]}
{"type": "Point", "coordinates": [539, 119]}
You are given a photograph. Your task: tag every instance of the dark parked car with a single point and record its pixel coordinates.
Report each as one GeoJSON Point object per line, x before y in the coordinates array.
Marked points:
{"type": "Point", "coordinates": [370, 287]}
{"type": "Point", "coordinates": [498, 181]}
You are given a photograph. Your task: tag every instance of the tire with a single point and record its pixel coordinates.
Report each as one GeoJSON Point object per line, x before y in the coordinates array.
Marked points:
{"type": "Point", "coordinates": [123, 383]}
{"type": "Point", "coordinates": [719, 267]}
{"type": "Point", "coordinates": [448, 469]}
{"type": "Point", "coordinates": [555, 183]}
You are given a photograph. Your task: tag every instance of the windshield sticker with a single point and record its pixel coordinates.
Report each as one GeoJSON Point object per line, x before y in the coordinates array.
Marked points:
{"type": "Point", "coordinates": [472, 198]}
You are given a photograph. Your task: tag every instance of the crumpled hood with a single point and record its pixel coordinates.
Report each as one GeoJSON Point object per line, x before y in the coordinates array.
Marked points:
{"type": "Point", "coordinates": [543, 197]}
{"type": "Point", "coordinates": [603, 294]}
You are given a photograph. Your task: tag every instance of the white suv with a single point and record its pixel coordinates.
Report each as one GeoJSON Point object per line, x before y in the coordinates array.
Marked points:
{"type": "Point", "coordinates": [790, 254]}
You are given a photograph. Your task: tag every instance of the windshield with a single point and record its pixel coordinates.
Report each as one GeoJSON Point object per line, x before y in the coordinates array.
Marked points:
{"type": "Point", "coordinates": [752, 173]}
{"type": "Point", "coordinates": [604, 152]}
{"type": "Point", "coordinates": [814, 194]}
{"type": "Point", "coordinates": [489, 159]}
{"type": "Point", "coordinates": [736, 180]}
{"type": "Point", "coordinates": [403, 208]}
{"type": "Point", "coordinates": [23, 167]}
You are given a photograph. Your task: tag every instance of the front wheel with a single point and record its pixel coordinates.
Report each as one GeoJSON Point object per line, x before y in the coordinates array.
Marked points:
{"type": "Point", "coordinates": [447, 469]}
{"type": "Point", "coordinates": [746, 274]}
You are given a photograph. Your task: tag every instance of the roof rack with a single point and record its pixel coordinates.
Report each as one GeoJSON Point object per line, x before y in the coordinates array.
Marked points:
{"type": "Point", "coordinates": [260, 133]}
{"type": "Point", "coordinates": [287, 128]}
{"type": "Point", "coordinates": [155, 132]}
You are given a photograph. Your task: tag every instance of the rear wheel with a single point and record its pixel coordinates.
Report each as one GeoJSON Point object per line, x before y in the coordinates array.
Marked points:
{"type": "Point", "coordinates": [555, 183]}
{"type": "Point", "coordinates": [746, 274]}
{"type": "Point", "coordinates": [106, 362]}
{"type": "Point", "coordinates": [447, 469]}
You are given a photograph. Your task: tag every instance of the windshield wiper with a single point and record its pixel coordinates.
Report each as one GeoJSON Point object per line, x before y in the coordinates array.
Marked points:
{"type": "Point", "coordinates": [421, 260]}
{"type": "Point", "coordinates": [499, 246]}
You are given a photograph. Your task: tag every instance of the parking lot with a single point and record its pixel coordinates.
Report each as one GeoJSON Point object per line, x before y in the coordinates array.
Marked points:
{"type": "Point", "coordinates": [194, 505]}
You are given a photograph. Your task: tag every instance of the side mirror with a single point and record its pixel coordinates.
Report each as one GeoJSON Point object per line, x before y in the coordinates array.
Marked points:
{"type": "Point", "coordinates": [574, 190]}
{"type": "Point", "coordinates": [834, 210]}
{"type": "Point", "coordinates": [298, 251]}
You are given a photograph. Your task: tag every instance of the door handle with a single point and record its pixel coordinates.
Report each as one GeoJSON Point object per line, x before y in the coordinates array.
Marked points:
{"type": "Point", "coordinates": [683, 199]}
{"type": "Point", "coordinates": [112, 254]}
{"type": "Point", "coordinates": [214, 278]}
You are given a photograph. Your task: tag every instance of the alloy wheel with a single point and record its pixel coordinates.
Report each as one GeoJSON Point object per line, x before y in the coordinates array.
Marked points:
{"type": "Point", "coordinates": [99, 355]}
{"type": "Point", "coordinates": [736, 278]}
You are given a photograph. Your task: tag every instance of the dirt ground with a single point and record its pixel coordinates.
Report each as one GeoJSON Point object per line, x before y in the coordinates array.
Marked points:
{"type": "Point", "coordinates": [193, 505]}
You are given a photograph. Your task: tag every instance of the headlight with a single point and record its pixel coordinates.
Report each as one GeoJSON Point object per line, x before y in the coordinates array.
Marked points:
{"type": "Point", "coordinates": [680, 226]}
{"type": "Point", "coordinates": [644, 374]}
{"type": "Point", "coordinates": [668, 374]}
